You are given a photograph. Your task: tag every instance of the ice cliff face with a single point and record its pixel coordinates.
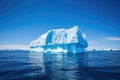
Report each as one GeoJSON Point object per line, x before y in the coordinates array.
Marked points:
{"type": "Point", "coordinates": [61, 40]}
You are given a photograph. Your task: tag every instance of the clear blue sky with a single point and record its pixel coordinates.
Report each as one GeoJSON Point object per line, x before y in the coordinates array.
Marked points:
{"type": "Point", "coordinates": [21, 21]}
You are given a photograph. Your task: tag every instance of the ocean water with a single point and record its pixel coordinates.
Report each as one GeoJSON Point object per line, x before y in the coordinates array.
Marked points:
{"type": "Point", "coordinates": [93, 65]}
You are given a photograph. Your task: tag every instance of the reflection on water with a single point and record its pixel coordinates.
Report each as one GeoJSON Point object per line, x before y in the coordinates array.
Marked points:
{"type": "Point", "coordinates": [81, 66]}
{"type": "Point", "coordinates": [59, 66]}
{"type": "Point", "coordinates": [25, 65]}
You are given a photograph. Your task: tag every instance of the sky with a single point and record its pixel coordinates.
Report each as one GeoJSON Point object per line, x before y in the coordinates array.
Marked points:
{"type": "Point", "coordinates": [22, 21]}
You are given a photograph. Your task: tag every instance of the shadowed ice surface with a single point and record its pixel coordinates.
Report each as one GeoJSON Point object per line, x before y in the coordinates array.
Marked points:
{"type": "Point", "coordinates": [22, 65]}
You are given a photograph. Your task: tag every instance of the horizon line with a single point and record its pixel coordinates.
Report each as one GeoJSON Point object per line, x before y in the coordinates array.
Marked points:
{"type": "Point", "coordinates": [26, 47]}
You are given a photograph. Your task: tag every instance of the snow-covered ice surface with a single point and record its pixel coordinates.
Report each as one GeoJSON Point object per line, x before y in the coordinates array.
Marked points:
{"type": "Point", "coordinates": [61, 40]}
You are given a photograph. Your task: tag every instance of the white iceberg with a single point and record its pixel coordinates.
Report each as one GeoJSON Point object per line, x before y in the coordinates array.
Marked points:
{"type": "Point", "coordinates": [61, 40]}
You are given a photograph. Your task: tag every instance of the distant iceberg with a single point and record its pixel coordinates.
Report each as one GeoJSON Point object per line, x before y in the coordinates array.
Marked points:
{"type": "Point", "coordinates": [61, 40]}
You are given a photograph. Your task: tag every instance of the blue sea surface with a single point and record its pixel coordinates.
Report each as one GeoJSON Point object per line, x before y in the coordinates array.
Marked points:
{"type": "Point", "coordinates": [92, 65]}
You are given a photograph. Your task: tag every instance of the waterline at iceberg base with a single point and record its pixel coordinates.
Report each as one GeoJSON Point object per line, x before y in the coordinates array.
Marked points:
{"type": "Point", "coordinates": [61, 40]}
{"type": "Point", "coordinates": [71, 48]}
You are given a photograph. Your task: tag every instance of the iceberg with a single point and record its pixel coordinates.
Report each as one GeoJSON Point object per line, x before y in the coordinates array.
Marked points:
{"type": "Point", "coordinates": [70, 40]}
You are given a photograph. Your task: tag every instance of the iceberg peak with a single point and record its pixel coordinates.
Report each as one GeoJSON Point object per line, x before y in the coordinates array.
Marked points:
{"type": "Point", "coordinates": [76, 27]}
{"type": "Point", "coordinates": [61, 40]}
